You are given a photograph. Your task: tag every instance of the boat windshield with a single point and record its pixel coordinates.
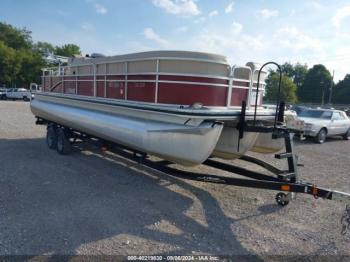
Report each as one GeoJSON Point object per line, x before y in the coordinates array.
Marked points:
{"type": "Point", "coordinates": [316, 114]}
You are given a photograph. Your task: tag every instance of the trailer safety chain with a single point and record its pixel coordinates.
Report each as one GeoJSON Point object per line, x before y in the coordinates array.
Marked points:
{"type": "Point", "coordinates": [345, 220]}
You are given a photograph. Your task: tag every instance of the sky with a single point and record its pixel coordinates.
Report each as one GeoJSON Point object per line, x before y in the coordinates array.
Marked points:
{"type": "Point", "coordinates": [302, 31]}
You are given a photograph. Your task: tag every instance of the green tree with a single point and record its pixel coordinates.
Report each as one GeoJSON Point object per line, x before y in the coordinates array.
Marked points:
{"type": "Point", "coordinates": [68, 50]}
{"type": "Point", "coordinates": [316, 86]}
{"type": "Point", "coordinates": [10, 65]}
{"type": "Point", "coordinates": [21, 60]}
{"type": "Point", "coordinates": [288, 69]}
{"type": "Point", "coordinates": [30, 70]}
{"type": "Point", "coordinates": [44, 48]}
{"type": "Point", "coordinates": [14, 37]}
{"type": "Point", "coordinates": [299, 75]}
{"type": "Point", "coordinates": [296, 72]}
{"type": "Point", "coordinates": [288, 88]}
{"type": "Point", "coordinates": [341, 91]}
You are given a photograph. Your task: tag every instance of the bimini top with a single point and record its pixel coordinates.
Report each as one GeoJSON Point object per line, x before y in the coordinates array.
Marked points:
{"type": "Point", "coordinates": [181, 55]}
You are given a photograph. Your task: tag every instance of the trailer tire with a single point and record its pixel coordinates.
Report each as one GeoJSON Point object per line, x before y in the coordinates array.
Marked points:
{"type": "Point", "coordinates": [51, 137]}
{"type": "Point", "coordinates": [64, 146]}
{"type": "Point", "coordinates": [282, 199]}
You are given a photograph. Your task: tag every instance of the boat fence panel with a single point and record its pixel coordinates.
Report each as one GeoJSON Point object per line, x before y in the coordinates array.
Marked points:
{"type": "Point", "coordinates": [116, 68]}
{"type": "Point", "coordinates": [101, 69]}
{"type": "Point", "coordinates": [142, 66]}
{"type": "Point", "coordinates": [177, 93]}
{"type": "Point", "coordinates": [238, 95]}
{"type": "Point", "coordinates": [193, 67]}
{"type": "Point", "coordinates": [85, 70]}
{"type": "Point", "coordinates": [242, 73]}
{"type": "Point", "coordinates": [85, 86]}
{"type": "Point", "coordinates": [115, 89]}
{"type": "Point", "coordinates": [70, 86]}
{"type": "Point", "coordinates": [73, 70]}
{"type": "Point", "coordinates": [100, 88]}
{"type": "Point", "coordinates": [262, 76]}
{"type": "Point", "coordinates": [141, 91]}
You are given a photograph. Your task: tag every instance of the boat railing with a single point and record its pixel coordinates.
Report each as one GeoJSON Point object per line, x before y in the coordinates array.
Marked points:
{"type": "Point", "coordinates": [55, 76]}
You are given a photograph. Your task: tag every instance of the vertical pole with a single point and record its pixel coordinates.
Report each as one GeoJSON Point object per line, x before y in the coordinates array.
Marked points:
{"type": "Point", "coordinates": [126, 81]}
{"type": "Point", "coordinates": [94, 72]}
{"type": "Point", "coordinates": [62, 80]}
{"type": "Point", "coordinates": [331, 90]}
{"type": "Point", "coordinates": [157, 79]}
{"type": "Point", "coordinates": [251, 73]}
{"type": "Point", "coordinates": [43, 81]}
{"type": "Point", "coordinates": [105, 83]}
{"type": "Point", "coordinates": [76, 83]}
{"type": "Point", "coordinates": [230, 84]}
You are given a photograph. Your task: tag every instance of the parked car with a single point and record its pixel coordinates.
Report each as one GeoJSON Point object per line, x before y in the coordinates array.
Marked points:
{"type": "Point", "coordinates": [3, 94]}
{"type": "Point", "coordinates": [322, 123]}
{"type": "Point", "coordinates": [298, 109]}
{"type": "Point", "coordinates": [18, 93]}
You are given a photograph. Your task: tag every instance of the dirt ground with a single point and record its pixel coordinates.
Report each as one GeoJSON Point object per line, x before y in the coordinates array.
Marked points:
{"type": "Point", "coordinates": [99, 203]}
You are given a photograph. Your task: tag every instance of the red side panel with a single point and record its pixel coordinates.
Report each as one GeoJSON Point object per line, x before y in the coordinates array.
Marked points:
{"type": "Point", "coordinates": [115, 77]}
{"type": "Point", "coordinates": [240, 83]}
{"type": "Point", "coordinates": [69, 87]}
{"type": "Point", "coordinates": [115, 89]}
{"type": "Point", "coordinates": [91, 78]}
{"type": "Point", "coordinates": [141, 77]}
{"type": "Point", "coordinates": [141, 91]}
{"type": "Point", "coordinates": [193, 79]}
{"type": "Point", "coordinates": [100, 88]}
{"type": "Point", "coordinates": [70, 78]}
{"type": "Point", "coordinates": [86, 88]}
{"type": "Point", "coordinates": [58, 88]}
{"type": "Point", "coordinates": [46, 83]}
{"type": "Point", "coordinates": [56, 80]}
{"type": "Point", "coordinates": [186, 94]}
{"type": "Point", "coordinates": [238, 95]}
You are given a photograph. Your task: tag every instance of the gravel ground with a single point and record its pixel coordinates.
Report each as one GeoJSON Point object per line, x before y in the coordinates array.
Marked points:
{"type": "Point", "coordinates": [99, 203]}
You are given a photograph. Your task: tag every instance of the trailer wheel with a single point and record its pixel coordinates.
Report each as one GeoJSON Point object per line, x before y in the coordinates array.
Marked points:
{"type": "Point", "coordinates": [282, 199]}
{"type": "Point", "coordinates": [64, 147]}
{"type": "Point", "coordinates": [51, 137]}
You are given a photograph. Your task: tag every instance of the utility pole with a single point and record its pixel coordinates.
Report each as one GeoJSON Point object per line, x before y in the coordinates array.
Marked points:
{"type": "Point", "coordinates": [331, 90]}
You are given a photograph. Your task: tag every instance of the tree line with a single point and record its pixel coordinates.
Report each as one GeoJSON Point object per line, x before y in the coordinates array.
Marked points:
{"type": "Point", "coordinates": [307, 85]}
{"type": "Point", "coordinates": [21, 59]}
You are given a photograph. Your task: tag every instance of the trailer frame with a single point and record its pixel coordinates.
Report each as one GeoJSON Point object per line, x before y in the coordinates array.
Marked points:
{"type": "Point", "coordinates": [285, 181]}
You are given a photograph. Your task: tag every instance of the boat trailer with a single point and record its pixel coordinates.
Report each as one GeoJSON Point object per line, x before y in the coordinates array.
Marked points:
{"type": "Point", "coordinates": [285, 181]}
